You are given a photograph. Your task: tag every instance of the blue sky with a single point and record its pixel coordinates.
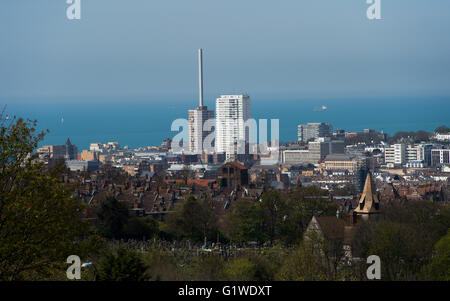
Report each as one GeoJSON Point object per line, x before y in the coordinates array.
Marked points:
{"type": "Point", "coordinates": [270, 49]}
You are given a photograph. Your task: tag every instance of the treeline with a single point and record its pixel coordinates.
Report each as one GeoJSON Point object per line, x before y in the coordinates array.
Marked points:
{"type": "Point", "coordinates": [409, 249]}
{"type": "Point", "coordinates": [412, 241]}
{"type": "Point", "coordinates": [399, 137]}
{"type": "Point", "coordinates": [410, 137]}
{"type": "Point", "coordinates": [442, 129]}
{"type": "Point", "coordinates": [273, 218]}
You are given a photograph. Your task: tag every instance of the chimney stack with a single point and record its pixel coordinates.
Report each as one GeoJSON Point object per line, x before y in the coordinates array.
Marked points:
{"type": "Point", "coordinates": [200, 76]}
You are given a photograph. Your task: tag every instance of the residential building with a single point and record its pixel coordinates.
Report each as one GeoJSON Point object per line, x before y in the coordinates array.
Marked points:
{"type": "Point", "coordinates": [440, 157]}
{"type": "Point", "coordinates": [232, 113]}
{"type": "Point", "coordinates": [87, 155]}
{"type": "Point", "coordinates": [67, 151]}
{"type": "Point", "coordinates": [112, 146]}
{"type": "Point", "coordinates": [442, 137]}
{"type": "Point", "coordinates": [78, 165]}
{"type": "Point", "coordinates": [309, 131]}
{"type": "Point", "coordinates": [321, 147]}
{"type": "Point", "coordinates": [409, 155]}
{"type": "Point", "coordinates": [343, 162]}
{"type": "Point", "coordinates": [395, 154]}
{"type": "Point", "coordinates": [197, 134]}
{"type": "Point", "coordinates": [102, 147]}
{"type": "Point", "coordinates": [316, 152]}
{"type": "Point", "coordinates": [52, 151]}
{"type": "Point", "coordinates": [297, 157]}
{"type": "Point", "coordinates": [97, 147]}
{"type": "Point", "coordinates": [424, 154]}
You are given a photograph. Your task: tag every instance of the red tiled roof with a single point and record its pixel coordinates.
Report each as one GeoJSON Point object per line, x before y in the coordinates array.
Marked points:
{"type": "Point", "coordinates": [236, 164]}
{"type": "Point", "coordinates": [203, 183]}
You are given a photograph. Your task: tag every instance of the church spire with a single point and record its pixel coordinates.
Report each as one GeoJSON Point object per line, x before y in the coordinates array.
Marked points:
{"type": "Point", "coordinates": [369, 202]}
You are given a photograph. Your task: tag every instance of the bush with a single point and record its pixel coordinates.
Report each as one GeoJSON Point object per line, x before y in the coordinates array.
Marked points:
{"type": "Point", "coordinates": [250, 268]}
{"type": "Point", "coordinates": [439, 268]}
{"type": "Point", "coordinates": [126, 265]}
{"type": "Point", "coordinates": [141, 228]}
{"type": "Point", "coordinates": [112, 218]}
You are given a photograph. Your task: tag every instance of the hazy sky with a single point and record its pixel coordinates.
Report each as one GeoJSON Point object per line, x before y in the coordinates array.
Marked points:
{"type": "Point", "coordinates": [283, 48]}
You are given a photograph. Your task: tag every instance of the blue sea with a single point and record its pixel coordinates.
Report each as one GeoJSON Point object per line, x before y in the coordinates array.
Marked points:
{"type": "Point", "coordinates": [142, 122]}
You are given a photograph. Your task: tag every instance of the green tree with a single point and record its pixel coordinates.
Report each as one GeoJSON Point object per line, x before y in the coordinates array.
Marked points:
{"type": "Point", "coordinates": [112, 218]}
{"type": "Point", "coordinates": [278, 218]}
{"type": "Point", "coordinates": [245, 222]}
{"type": "Point", "coordinates": [439, 267]}
{"type": "Point", "coordinates": [125, 265]}
{"type": "Point", "coordinates": [305, 263]}
{"type": "Point", "coordinates": [208, 267]}
{"type": "Point", "coordinates": [410, 137]}
{"type": "Point", "coordinates": [141, 228]}
{"type": "Point", "coordinates": [250, 267]}
{"type": "Point", "coordinates": [193, 219]}
{"type": "Point", "coordinates": [39, 219]}
{"type": "Point", "coordinates": [442, 129]}
{"type": "Point", "coordinates": [395, 243]}
{"type": "Point", "coordinates": [403, 237]}
{"type": "Point", "coordinates": [273, 209]}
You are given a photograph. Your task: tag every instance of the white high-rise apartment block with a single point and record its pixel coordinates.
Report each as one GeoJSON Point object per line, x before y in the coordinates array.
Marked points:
{"type": "Point", "coordinates": [232, 111]}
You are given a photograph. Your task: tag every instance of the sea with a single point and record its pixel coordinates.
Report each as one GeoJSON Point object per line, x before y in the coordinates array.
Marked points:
{"type": "Point", "coordinates": [143, 122]}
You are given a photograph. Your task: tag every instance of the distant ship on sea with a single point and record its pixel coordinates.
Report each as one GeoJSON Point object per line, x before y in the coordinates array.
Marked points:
{"type": "Point", "coordinates": [320, 109]}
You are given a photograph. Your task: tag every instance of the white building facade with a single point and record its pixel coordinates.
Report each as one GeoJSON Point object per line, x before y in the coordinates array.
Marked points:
{"type": "Point", "coordinates": [442, 137]}
{"type": "Point", "coordinates": [395, 154]}
{"type": "Point", "coordinates": [232, 112]}
{"type": "Point", "coordinates": [412, 156]}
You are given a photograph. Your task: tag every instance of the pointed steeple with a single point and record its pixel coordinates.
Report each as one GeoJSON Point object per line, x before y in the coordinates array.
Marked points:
{"type": "Point", "coordinates": [68, 147]}
{"type": "Point", "coordinates": [369, 202]}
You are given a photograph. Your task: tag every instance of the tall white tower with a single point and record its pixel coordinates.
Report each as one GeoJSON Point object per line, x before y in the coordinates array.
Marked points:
{"type": "Point", "coordinates": [199, 116]}
{"type": "Point", "coordinates": [232, 111]}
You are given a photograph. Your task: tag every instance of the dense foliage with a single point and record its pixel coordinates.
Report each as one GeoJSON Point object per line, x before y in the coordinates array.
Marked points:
{"type": "Point", "coordinates": [39, 219]}
{"type": "Point", "coordinates": [124, 265]}
{"type": "Point", "coordinates": [442, 129]}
